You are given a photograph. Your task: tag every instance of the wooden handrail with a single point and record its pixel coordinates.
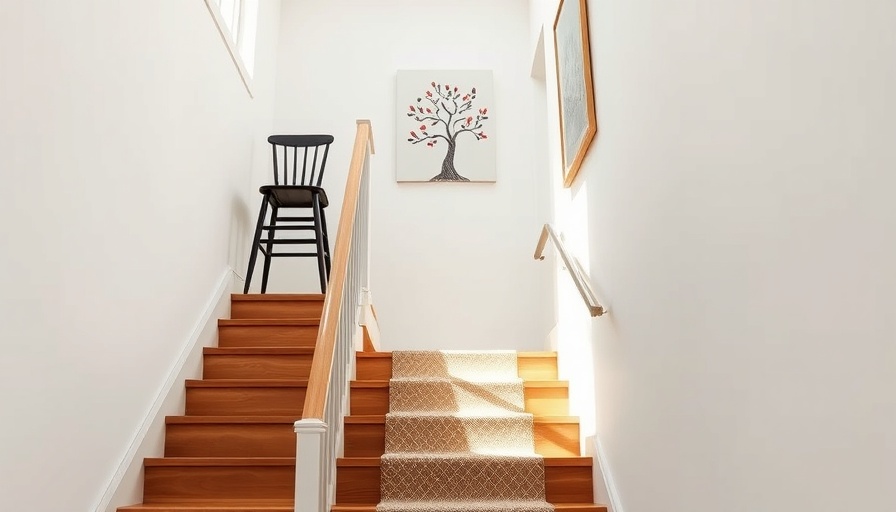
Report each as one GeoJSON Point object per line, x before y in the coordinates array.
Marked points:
{"type": "Point", "coordinates": [319, 378]}
{"type": "Point", "coordinates": [575, 269]}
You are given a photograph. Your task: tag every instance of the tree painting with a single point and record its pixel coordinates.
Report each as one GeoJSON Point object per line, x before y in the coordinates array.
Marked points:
{"type": "Point", "coordinates": [446, 113]}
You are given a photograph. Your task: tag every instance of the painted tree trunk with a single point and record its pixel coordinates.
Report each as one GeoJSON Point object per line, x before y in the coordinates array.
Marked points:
{"type": "Point", "coordinates": [449, 173]}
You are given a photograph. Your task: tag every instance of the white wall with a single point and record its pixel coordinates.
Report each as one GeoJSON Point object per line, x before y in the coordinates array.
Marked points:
{"type": "Point", "coordinates": [736, 214]}
{"type": "Point", "coordinates": [452, 263]}
{"type": "Point", "coordinates": [126, 151]}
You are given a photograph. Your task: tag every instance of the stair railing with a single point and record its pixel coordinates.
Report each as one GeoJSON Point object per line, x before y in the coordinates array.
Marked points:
{"type": "Point", "coordinates": [319, 432]}
{"type": "Point", "coordinates": [573, 266]}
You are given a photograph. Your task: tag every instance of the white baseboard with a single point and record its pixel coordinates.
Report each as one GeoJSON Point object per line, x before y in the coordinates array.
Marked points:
{"type": "Point", "coordinates": [126, 484]}
{"type": "Point", "coordinates": [604, 476]}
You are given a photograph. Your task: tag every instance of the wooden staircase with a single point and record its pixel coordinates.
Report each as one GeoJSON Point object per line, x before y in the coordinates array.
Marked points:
{"type": "Point", "coordinates": [568, 476]}
{"type": "Point", "coordinates": [234, 449]}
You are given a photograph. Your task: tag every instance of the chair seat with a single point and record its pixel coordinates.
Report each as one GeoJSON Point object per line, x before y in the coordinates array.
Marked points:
{"type": "Point", "coordinates": [294, 196]}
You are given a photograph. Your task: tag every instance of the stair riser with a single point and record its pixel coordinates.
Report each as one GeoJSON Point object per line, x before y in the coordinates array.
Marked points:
{"type": "Point", "coordinates": [230, 336]}
{"type": "Point", "coordinates": [290, 309]}
{"type": "Point", "coordinates": [563, 484]}
{"type": "Point", "coordinates": [530, 368]}
{"type": "Point", "coordinates": [552, 401]}
{"type": "Point", "coordinates": [551, 439]}
{"type": "Point", "coordinates": [230, 440]}
{"type": "Point", "coordinates": [170, 484]}
{"type": "Point", "coordinates": [281, 401]}
{"type": "Point", "coordinates": [267, 366]}
{"type": "Point", "coordinates": [547, 401]}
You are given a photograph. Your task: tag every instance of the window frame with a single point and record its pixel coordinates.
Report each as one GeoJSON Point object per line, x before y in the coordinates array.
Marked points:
{"type": "Point", "coordinates": [233, 43]}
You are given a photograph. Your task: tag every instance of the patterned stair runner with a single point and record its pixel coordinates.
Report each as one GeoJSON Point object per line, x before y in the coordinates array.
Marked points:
{"type": "Point", "coordinates": [457, 436]}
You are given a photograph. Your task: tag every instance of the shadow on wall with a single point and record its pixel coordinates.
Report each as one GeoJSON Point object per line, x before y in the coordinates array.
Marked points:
{"type": "Point", "coordinates": [238, 243]}
{"type": "Point", "coordinates": [244, 208]}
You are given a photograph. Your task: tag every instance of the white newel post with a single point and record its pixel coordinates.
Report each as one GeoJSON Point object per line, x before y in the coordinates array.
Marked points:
{"type": "Point", "coordinates": [311, 466]}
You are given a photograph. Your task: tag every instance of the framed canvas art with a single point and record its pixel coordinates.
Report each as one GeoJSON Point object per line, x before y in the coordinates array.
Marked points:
{"type": "Point", "coordinates": [578, 120]}
{"type": "Point", "coordinates": [445, 124]}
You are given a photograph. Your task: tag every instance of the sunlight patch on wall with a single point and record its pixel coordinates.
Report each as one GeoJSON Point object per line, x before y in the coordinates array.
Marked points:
{"type": "Point", "coordinates": [572, 336]}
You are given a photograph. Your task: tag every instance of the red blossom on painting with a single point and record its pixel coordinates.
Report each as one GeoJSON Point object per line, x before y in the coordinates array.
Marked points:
{"type": "Point", "coordinates": [423, 127]}
{"type": "Point", "coordinates": [414, 134]}
{"type": "Point", "coordinates": [428, 94]}
{"type": "Point", "coordinates": [482, 135]}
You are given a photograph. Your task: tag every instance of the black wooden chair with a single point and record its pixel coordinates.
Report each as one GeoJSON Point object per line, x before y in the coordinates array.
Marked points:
{"type": "Point", "coordinates": [294, 191]}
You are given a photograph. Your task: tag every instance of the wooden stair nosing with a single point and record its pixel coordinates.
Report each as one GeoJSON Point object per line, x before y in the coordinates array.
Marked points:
{"type": "Point", "coordinates": [388, 355]}
{"type": "Point", "coordinates": [246, 383]}
{"type": "Point", "coordinates": [272, 297]}
{"type": "Point", "coordinates": [216, 505]}
{"type": "Point", "coordinates": [257, 351]}
{"type": "Point", "coordinates": [367, 462]}
{"type": "Point", "coordinates": [526, 384]}
{"type": "Point", "coordinates": [266, 322]}
{"type": "Point", "coordinates": [156, 462]}
{"type": "Point", "coordinates": [217, 420]}
{"type": "Point", "coordinates": [376, 419]}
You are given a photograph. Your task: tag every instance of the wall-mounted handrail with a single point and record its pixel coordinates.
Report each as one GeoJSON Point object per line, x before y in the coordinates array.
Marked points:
{"type": "Point", "coordinates": [318, 439]}
{"type": "Point", "coordinates": [572, 264]}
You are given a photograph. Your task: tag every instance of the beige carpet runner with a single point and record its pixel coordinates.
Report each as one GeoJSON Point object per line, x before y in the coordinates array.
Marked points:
{"type": "Point", "coordinates": [457, 436]}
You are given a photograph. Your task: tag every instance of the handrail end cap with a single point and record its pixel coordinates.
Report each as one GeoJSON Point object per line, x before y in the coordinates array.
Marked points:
{"type": "Point", "coordinates": [310, 426]}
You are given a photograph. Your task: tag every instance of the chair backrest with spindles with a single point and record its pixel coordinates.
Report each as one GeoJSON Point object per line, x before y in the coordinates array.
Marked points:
{"type": "Point", "coordinates": [292, 148]}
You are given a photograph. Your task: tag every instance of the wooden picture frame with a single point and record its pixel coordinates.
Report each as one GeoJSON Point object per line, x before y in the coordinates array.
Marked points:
{"type": "Point", "coordinates": [575, 90]}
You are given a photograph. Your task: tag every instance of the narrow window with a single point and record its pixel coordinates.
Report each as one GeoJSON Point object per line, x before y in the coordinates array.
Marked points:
{"type": "Point", "coordinates": [237, 21]}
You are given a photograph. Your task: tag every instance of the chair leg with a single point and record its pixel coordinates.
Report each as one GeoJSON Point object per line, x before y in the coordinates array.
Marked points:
{"type": "Point", "coordinates": [270, 247]}
{"type": "Point", "coordinates": [319, 238]}
{"type": "Point", "coordinates": [253, 255]}
{"type": "Point", "coordinates": [323, 222]}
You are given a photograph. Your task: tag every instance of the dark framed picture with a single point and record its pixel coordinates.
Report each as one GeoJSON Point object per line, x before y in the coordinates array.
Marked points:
{"type": "Point", "coordinates": [575, 90]}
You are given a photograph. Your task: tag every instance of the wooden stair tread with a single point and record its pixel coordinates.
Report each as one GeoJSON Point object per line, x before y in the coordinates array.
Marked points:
{"type": "Point", "coordinates": [258, 351]}
{"type": "Point", "coordinates": [252, 322]}
{"type": "Point", "coordinates": [356, 462]}
{"type": "Point", "coordinates": [246, 383]}
{"type": "Point", "coordinates": [201, 420]}
{"type": "Point", "coordinates": [526, 384]}
{"type": "Point", "coordinates": [376, 419]}
{"type": "Point", "coordinates": [262, 297]}
{"type": "Point", "coordinates": [219, 461]}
